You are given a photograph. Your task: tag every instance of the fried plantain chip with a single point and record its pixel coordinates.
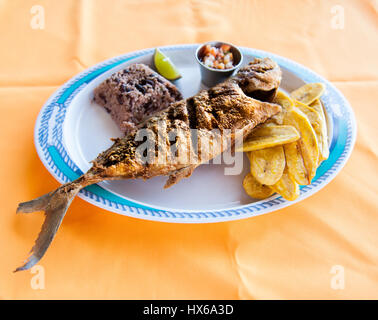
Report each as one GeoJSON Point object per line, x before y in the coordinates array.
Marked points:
{"type": "Point", "coordinates": [316, 122]}
{"type": "Point", "coordinates": [308, 143]}
{"type": "Point", "coordinates": [269, 135]}
{"type": "Point", "coordinates": [295, 163]}
{"type": "Point", "coordinates": [285, 102]}
{"type": "Point", "coordinates": [267, 165]}
{"type": "Point", "coordinates": [255, 189]}
{"type": "Point", "coordinates": [286, 187]}
{"type": "Point", "coordinates": [324, 154]}
{"type": "Point", "coordinates": [308, 93]}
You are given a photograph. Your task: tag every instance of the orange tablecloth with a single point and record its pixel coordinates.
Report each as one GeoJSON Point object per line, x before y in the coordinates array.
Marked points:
{"type": "Point", "coordinates": [99, 254]}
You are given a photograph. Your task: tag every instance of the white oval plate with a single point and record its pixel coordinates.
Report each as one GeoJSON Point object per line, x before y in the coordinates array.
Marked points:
{"type": "Point", "coordinates": [71, 130]}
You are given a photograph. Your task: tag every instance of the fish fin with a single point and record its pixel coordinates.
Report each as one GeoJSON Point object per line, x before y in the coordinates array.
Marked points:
{"type": "Point", "coordinates": [55, 205]}
{"type": "Point", "coordinates": [177, 175]}
{"type": "Point", "coordinates": [35, 205]}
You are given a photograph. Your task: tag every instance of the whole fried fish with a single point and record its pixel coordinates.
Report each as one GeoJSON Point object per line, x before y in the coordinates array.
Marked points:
{"type": "Point", "coordinates": [204, 126]}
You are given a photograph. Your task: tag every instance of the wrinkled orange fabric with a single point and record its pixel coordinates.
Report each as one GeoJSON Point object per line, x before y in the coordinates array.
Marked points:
{"type": "Point", "coordinates": [287, 254]}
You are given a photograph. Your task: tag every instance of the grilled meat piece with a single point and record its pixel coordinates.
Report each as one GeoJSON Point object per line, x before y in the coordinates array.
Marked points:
{"type": "Point", "coordinates": [260, 80]}
{"type": "Point", "coordinates": [134, 93]}
{"type": "Point", "coordinates": [200, 125]}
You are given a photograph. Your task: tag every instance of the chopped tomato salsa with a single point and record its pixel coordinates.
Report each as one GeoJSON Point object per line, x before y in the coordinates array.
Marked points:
{"type": "Point", "coordinates": [218, 57]}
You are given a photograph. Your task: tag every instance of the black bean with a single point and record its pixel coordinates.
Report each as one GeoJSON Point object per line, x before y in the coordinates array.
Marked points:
{"type": "Point", "coordinates": [151, 82]}
{"type": "Point", "coordinates": [123, 88]}
{"type": "Point", "coordinates": [140, 88]}
{"type": "Point", "coordinates": [120, 99]}
{"type": "Point", "coordinates": [101, 95]}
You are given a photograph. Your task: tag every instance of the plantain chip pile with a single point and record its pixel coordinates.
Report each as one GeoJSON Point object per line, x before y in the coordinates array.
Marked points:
{"type": "Point", "coordinates": [286, 151]}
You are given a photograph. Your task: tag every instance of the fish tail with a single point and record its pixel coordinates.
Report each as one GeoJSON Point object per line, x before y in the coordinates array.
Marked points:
{"type": "Point", "coordinates": [55, 205]}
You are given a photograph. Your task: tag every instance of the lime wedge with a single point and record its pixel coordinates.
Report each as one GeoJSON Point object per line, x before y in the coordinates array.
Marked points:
{"type": "Point", "coordinates": [165, 66]}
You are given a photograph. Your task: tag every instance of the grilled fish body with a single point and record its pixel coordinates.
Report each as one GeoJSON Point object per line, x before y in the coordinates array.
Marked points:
{"type": "Point", "coordinates": [173, 142]}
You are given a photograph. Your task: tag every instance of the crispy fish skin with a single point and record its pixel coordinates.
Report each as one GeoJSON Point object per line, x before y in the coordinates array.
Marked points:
{"type": "Point", "coordinates": [223, 107]}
